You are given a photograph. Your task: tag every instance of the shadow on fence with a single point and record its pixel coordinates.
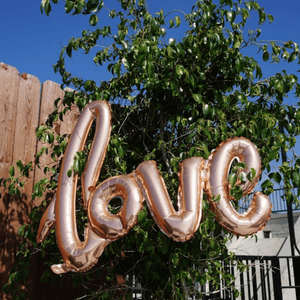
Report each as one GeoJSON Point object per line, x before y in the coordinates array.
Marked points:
{"type": "Point", "coordinates": [25, 103]}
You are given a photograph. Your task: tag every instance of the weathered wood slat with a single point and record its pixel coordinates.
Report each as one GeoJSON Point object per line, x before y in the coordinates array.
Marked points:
{"type": "Point", "coordinates": [23, 107]}
{"type": "Point", "coordinates": [25, 140]}
{"type": "Point", "coordinates": [9, 92]}
{"type": "Point", "coordinates": [50, 92]}
{"type": "Point", "coordinates": [69, 121]}
{"type": "Point", "coordinates": [9, 85]}
{"type": "Point", "coordinates": [9, 89]}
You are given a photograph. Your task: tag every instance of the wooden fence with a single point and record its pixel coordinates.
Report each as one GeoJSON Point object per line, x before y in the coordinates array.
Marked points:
{"type": "Point", "coordinates": [25, 103]}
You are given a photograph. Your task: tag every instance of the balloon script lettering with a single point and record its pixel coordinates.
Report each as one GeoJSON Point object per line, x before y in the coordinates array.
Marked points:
{"type": "Point", "coordinates": [195, 175]}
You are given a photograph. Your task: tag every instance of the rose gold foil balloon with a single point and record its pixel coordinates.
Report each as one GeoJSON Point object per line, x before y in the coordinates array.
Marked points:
{"type": "Point", "coordinates": [81, 256]}
{"type": "Point", "coordinates": [182, 224]}
{"type": "Point", "coordinates": [259, 211]}
{"type": "Point", "coordinates": [111, 226]}
{"type": "Point", "coordinates": [47, 222]}
{"type": "Point", "coordinates": [146, 182]}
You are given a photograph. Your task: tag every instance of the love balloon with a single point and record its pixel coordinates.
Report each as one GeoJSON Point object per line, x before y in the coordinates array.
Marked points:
{"type": "Point", "coordinates": [145, 182]}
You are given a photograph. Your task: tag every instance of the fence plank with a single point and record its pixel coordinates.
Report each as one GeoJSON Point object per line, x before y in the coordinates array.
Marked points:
{"type": "Point", "coordinates": [19, 98]}
{"type": "Point", "coordinates": [69, 121]}
{"type": "Point", "coordinates": [9, 89]}
{"type": "Point", "coordinates": [50, 92]}
{"type": "Point", "coordinates": [24, 149]}
{"type": "Point", "coordinates": [25, 140]}
{"type": "Point", "coordinates": [9, 84]}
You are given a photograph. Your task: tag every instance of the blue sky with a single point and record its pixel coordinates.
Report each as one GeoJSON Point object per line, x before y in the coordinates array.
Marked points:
{"type": "Point", "coordinates": [31, 41]}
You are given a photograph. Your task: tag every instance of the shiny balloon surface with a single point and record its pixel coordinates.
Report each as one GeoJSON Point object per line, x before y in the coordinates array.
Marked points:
{"type": "Point", "coordinates": [195, 175]}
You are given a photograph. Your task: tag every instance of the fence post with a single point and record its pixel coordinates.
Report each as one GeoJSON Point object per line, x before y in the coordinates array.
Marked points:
{"type": "Point", "coordinates": [276, 278]}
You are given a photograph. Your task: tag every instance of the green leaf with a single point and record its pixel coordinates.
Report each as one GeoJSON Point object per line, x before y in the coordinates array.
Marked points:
{"type": "Point", "coordinates": [210, 223]}
{"type": "Point", "coordinates": [237, 43]}
{"type": "Point", "coordinates": [266, 56]}
{"type": "Point", "coordinates": [288, 44]}
{"type": "Point", "coordinates": [192, 151]}
{"type": "Point", "coordinates": [240, 165]}
{"type": "Point", "coordinates": [245, 14]}
{"type": "Point", "coordinates": [267, 183]}
{"type": "Point", "coordinates": [69, 173]}
{"type": "Point", "coordinates": [125, 63]}
{"type": "Point", "coordinates": [78, 166]}
{"type": "Point", "coordinates": [79, 7]}
{"type": "Point", "coordinates": [258, 72]}
{"type": "Point", "coordinates": [252, 172]}
{"type": "Point", "coordinates": [273, 155]}
{"type": "Point", "coordinates": [262, 16]}
{"type": "Point", "coordinates": [69, 50]}
{"type": "Point", "coordinates": [230, 16]}
{"type": "Point", "coordinates": [249, 5]}
{"type": "Point", "coordinates": [92, 5]}
{"type": "Point", "coordinates": [232, 178]}
{"type": "Point", "coordinates": [171, 23]}
{"type": "Point", "coordinates": [69, 6]}
{"type": "Point", "coordinates": [276, 49]}
{"type": "Point", "coordinates": [12, 171]}
{"type": "Point", "coordinates": [276, 176]}
{"type": "Point", "coordinates": [239, 65]}
{"type": "Point", "coordinates": [93, 20]}
{"type": "Point", "coordinates": [179, 70]}
{"type": "Point", "coordinates": [236, 193]}
{"type": "Point", "coordinates": [151, 69]}
{"type": "Point", "coordinates": [256, 5]}
{"type": "Point", "coordinates": [142, 216]}
{"type": "Point", "coordinates": [174, 259]}
{"type": "Point", "coordinates": [206, 110]}
{"type": "Point", "coordinates": [215, 199]}
{"type": "Point", "coordinates": [184, 122]}
{"type": "Point", "coordinates": [271, 18]}
{"type": "Point", "coordinates": [197, 98]}
{"type": "Point", "coordinates": [117, 69]}
{"type": "Point", "coordinates": [47, 7]}
{"type": "Point", "coordinates": [296, 179]}
{"type": "Point", "coordinates": [20, 165]}
{"type": "Point", "coordinates": [133, 24]}
{"type": "Point", "coordinates": [292, 57]}
{"type": "Point", "coordinates": [21, 230]}
{"type": "Point", "coordinates": [177, 21]}
{"type": "Point", "coordinates": [121, 151]}
{"type": "Point", "coordinates": [49, 138]}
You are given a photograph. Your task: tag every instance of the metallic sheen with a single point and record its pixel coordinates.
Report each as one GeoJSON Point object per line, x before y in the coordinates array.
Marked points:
{"type": "Point", "coordinates": [259, 211]}
{"type": "Point", "coordinates": [103, 222]}
{"type": "Point", "coordinates": [145, 182]}
{"type": "Point", "coordinates": [182, 224]}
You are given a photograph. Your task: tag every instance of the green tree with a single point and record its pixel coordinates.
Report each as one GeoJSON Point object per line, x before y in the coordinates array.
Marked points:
{"type": "Point", "coordinates": [170, 101]}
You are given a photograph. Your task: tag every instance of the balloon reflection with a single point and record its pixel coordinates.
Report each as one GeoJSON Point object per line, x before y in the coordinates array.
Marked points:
{"type": "Point", "coordinates": [145, 182]}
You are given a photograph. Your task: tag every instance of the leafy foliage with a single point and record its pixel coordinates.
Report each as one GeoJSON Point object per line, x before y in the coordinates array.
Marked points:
{"type": "Point", "coordinates": [170, 101]}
